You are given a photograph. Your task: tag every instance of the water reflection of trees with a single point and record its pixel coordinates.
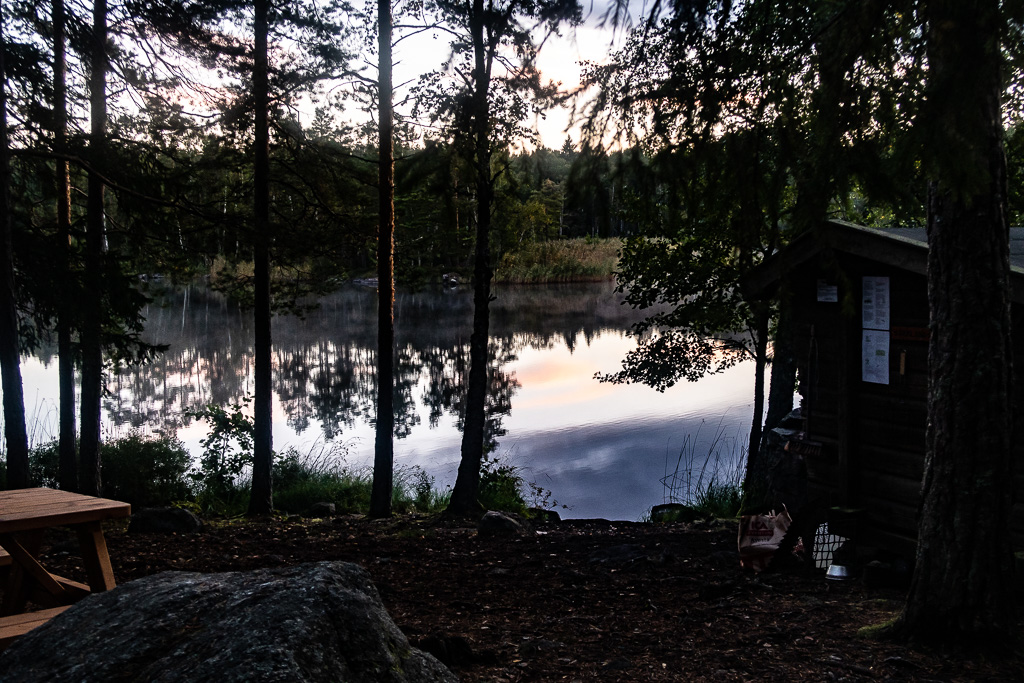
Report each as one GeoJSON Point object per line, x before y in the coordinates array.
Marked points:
{"type": "Point", "coordinates": [325, 369]}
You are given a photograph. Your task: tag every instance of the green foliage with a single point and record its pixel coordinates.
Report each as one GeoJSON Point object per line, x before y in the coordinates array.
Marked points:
{"type": "Point", "coordinates": [572, 260]}
{"type": "Point", "coordinates": [227, 449]}
{"type": "Point", "coordinates": [415, 490]}
{"type": "Point", "coordinates": [323, 476]}
{"type": "Point", "coordinates": [43, 464]}
{"type": "Point", "coordinates": [145, 471]}
{"type": "Point", "coordinates": [1015, 173]}
{"type": "Point", "coordinates": [501, 486]}
{"type": "Point", "coordinates": [750, 119]}
{"type": "Point", "coordinates": [301, 481]}
{"type": "Point", "coordinates": [719, 499]}
{"type": "Point", "coordinates": [711, 482]}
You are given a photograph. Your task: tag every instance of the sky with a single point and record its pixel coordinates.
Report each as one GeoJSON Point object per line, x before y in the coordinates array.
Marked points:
{"type": "Point", "coordinates": [559, 60]}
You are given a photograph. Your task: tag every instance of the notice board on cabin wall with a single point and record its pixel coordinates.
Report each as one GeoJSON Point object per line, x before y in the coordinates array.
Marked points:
{"type": "Point", "coordinates": [875, 329]}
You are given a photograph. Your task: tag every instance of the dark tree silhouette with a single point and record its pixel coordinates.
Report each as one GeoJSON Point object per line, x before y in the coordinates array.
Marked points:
{"type": "Point", "coordinates": [91, 333]}
{"type": "Point", "coordinates": [261, 499]}
{"type": "Point", "coordinates": [384, 449]}
{"type": "Point", "coordinates": [961, 592]}
{"type": "Point", "coordinates": [15, 432]}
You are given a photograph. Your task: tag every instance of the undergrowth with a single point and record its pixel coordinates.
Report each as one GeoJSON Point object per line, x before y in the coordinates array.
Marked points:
{"type": "Point", "coordinates": [709, 482]}
{"type": "Point", "coordinates": [570, 260]}
{"type": "Point", "coordinates": [157, 471]}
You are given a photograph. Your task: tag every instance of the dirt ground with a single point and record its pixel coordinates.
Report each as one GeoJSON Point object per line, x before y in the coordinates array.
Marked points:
{"type": "Point", "coordinates": [577, 600]}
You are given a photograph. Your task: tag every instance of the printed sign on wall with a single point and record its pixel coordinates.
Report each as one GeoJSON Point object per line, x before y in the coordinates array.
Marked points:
{"type": "Point", "coordinates": [828, 292]}
{"type": "Point", "coordinates": [875, 337]}
{"type": "Point", "coordinates": [875, 303]}
{"type": "Point", "coordinates": [875, 355]}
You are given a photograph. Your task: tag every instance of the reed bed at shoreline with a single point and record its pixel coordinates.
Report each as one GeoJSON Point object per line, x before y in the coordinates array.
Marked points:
{"type": "Point", "coordinates": [581, 259]}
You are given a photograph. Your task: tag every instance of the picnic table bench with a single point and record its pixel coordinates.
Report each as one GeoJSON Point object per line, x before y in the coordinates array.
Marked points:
{"type": "Point", "coordinates": [25, 514]}
{"type": "Point", "coordinates": [19, 624]}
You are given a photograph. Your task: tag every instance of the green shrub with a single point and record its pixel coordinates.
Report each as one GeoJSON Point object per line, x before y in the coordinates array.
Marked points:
{"type": "Point", "coordinates": [145, 471]}
{"type": "Point", "coordinates": [562, 260]}
{"type": "Point", "coordinates": [501, 487]}
{"type": "Point", "coordinates": [227, 450]}
{"type": "Point", "coordinates": [709, 482]}
{"type": "Point", "coordinates": [320, 476]}
{"type": "Point", "coordinates": [44, 463]}
{"type": "Point", "coordinates": [719, 499]}
{"type": "Point", "coordinates": [414, 491]}
{"type": "Point", "coordinates": [136, 469]}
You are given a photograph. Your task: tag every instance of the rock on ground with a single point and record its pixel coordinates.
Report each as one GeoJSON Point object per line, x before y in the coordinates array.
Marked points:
{"type": "Point", "coordinates": [169, 520]}
{"type": "Point", "coordinates": [307, 623]}
{"type": "Point", "coordinates": [498, 524]}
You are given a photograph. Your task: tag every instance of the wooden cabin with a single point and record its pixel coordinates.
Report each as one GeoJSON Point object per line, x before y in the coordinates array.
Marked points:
{"type": "Point", "coordinates": [859, 301]}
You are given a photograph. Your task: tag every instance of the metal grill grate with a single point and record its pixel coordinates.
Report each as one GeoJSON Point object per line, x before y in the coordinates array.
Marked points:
{"type": "Point", "coordinates": [825, 546]}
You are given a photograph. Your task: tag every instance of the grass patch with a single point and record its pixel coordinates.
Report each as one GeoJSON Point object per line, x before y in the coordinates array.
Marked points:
{"type": "Point", "coordinates": [880, 631]}
{"type": "Point", "coordinates": [320, 476]}
{"type": "Point", "coordinates": [573, 260]}
{"type": "Point", "coordinates": [501, 487]}
{"type": "Point", "coordinates": [709, 482]}
{"type": "Point", "coordinates": [158, 471]}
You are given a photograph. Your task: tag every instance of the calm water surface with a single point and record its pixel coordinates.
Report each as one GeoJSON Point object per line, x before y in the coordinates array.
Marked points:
{"type": "Point", "coordinates": [600, 449]}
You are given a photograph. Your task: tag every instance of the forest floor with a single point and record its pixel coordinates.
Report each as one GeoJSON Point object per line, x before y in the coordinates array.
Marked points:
{"type": "Point", "coordinates": [578, 600]}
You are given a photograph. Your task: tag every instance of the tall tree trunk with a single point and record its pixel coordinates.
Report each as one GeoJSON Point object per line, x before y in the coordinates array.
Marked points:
{"type": "Point", "coordinates": [15, 432]}
{"type": "Point", "coordinates": [960, 594]}
{"type": "Point", "coordinates": [261, 498]}
{"type": "Point", "coordinates": [783, 379]}
{"type": "Point", "coordinates": [92, 343]}
{"type": "Point", "coordinates": [68, 467]}
{"type": "Point", "coordinates": [383, 459]}
{"type": "Point", "coordinates": [761, 323]}
{"type": "Point", "coordinates": [465, 494]}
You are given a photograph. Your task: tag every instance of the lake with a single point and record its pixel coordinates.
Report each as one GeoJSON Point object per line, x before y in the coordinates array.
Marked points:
{"type": "Point", "coordinates": [598, 448]}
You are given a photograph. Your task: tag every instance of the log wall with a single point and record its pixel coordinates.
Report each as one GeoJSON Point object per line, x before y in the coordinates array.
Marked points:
{"type": "Point", "coordinates": [872, 436]}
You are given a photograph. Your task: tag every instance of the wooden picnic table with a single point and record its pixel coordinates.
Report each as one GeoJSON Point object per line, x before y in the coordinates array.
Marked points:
{"type": "Point", "coordinates": [25, 514]}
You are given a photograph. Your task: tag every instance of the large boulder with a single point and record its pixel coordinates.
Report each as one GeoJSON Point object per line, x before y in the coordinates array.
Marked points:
{"type": "Point", "coordinates": [313, 622]}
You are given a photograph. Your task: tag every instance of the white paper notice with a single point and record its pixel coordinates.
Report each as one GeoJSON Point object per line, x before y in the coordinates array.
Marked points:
{"type": "Point", "coordinates": [827, 292]}
{"type": "Point", "coordinates": [875, 303]}
{"type": "Point", "coordinates": [875, 355]}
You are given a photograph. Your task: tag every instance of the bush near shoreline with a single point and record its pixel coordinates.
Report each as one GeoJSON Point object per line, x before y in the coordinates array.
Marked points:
{"type": "Point", "coordinates": [157, 471]}
{"type": "Point", "coordinates": [581, 259]}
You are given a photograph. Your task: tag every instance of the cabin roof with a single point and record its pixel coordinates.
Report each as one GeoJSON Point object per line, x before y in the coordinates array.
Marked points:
{"type": "Point", "coordinates": [903, 248]}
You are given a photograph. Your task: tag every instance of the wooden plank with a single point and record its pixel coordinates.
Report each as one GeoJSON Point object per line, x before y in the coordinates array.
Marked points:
{"type": "Point", "coordinates": [888, 487]}
{"type": "Point", "coordinates": [893, 434]}
{"type": "Point", "coordinates": [5, 558]}
{"type": "Point", "coordinates": [908, 409]}
{"type": "Point", "coordinates": [27, 561]}
{"type": "Point", "coordinates": [901, 463]}
{"type": "Point", "coordinates": [881, 537]}
{"type": "Point", "coordinates": [95, 557]}
{"type": "Point", "coordinates": [17, 625]}
{"type": "Point", "coordinates": [893, 516]}
{"type": "Point", "coordinates": [824, 425]}
{"type": "Point", "coordinates": [73, 592]}
{"type": "Point", "coordinates": [17, 585]}
{"type": "Point", "coordinates": [849, 366]}
{"type": "Point", "coordinates": [26, 509]}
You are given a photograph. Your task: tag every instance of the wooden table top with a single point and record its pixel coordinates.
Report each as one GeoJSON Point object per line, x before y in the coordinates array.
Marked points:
{"type": "Point", "coordinates": [26, 509]}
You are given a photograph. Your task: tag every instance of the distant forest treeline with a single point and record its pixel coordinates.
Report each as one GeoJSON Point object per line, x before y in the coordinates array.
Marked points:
{"type": "Point", "coordinates": [189, 213]}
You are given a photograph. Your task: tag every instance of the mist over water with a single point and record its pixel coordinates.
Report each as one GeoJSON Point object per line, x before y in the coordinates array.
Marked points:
{"type": "Point", "coordinates": [600, 449]}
